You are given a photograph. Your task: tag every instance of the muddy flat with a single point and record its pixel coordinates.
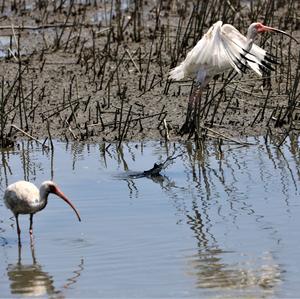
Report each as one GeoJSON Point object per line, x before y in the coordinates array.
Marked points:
{"type": "Point", "coordinates": [86, 70]}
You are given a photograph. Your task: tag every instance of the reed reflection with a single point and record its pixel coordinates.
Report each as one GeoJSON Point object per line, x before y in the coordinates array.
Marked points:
{"type": "Point", "coordinates": [251, 274]}
{"type": "Point", "coordinates": [211, 188]}
{"type": "Point", "coordinates": [213, 266]}
{"type": "Point", "coordinates": [21, 161]}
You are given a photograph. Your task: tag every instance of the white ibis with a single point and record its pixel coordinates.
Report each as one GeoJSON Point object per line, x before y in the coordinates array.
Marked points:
{"type": "Point", "coordinates": [222, 48]}
{"type": "Point", "coordinates": [25, 198]}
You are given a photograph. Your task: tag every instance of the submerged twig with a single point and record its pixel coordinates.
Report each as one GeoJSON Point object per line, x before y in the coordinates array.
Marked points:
{"type": "Point", "coordinates": [28, 135]}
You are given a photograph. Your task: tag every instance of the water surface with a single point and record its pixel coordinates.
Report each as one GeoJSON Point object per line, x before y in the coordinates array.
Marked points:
{"type": "Point", "coordinates": [215, 225]}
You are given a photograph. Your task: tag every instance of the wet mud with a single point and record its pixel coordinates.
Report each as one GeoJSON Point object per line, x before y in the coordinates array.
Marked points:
{"type": "Point", "coordinates": [89, 70]}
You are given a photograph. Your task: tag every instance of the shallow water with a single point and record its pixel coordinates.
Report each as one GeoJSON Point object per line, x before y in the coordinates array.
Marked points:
{"type": "Point", "coordinates": [215, 225]}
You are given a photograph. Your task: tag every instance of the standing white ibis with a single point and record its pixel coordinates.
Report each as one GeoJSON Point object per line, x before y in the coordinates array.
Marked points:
{"type": "Point", "coordinates": [222, 48]}
{"type": "Point", "coordinates": [25, 198]}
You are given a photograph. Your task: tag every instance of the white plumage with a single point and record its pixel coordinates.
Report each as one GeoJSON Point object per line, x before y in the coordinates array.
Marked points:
{"type": "Point", "coordinates": [222, 48]}
{"type": "Point", "coordinates": [25, 198]}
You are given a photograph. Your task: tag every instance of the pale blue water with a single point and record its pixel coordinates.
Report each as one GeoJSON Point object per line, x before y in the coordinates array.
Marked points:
{"type": "Point", "coordinates": [215, 226]}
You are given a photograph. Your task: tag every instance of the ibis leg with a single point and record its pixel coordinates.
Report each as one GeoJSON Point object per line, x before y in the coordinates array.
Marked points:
{"type": "Point", "coordinates": [192, 115]}
{"type": "Point", "coordinates": [186, 127]}
{"type": "Point", "coordinates": [31, 223]}
{"type": "Point", "coordinates": [18, 228]}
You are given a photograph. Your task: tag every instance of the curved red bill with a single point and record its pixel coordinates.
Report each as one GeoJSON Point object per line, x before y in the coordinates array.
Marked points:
{"type": "Point", "coordinates": [62, 196]}
{"type": "Point", "coordinates": [267, 28]}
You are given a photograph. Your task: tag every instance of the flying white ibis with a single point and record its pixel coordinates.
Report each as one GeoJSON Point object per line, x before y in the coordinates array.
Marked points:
{"type": "Point", "coordinates": [25, 198]}
{"type": "Point", "coordinates": [222, 48]}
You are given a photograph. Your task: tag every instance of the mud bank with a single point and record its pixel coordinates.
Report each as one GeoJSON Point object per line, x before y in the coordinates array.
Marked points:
{"type": "Point", "coordinates": [86, 70]}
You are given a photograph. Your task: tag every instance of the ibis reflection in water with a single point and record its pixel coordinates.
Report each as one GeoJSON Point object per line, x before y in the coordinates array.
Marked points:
{"type": "Point", "coordinates": [30, 280]}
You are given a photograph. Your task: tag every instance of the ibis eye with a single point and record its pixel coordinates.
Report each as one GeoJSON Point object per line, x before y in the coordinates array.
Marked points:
{"type": "Point", "coordinates": [52, 188]}
{"type": "Point", "coordinates": [259, 27]}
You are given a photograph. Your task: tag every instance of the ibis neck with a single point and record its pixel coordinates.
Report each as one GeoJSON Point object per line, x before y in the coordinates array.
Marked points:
{"type": "Point", "coordinates": [249, 44]}
{"type": "Point", "coordinates": [43, 198]}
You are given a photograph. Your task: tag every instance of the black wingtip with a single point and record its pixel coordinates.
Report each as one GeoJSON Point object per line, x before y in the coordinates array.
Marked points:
{"type": "Point", "coordinates": [271, 58]}
{"type": "Point", "coordinates": [246, 58]}
{"type": "Point", "coordinates": [267, 65]}
{"type": "Point", "coordinates": [271, 55]}
{"type": "Point", "coordinates": [241, 65]}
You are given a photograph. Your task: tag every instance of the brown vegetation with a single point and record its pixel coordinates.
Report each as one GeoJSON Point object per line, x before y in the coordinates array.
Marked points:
{"type": "Point", "coordinates": [93, 70]}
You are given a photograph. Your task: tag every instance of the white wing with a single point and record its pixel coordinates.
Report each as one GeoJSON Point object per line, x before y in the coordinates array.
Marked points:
{"type": "Point", "coordinates": [222, 47]}
{"type": "Point", "coordinates": [207, 56]}
{"type": "Point", "coordinates": [20, 196]}
{"type": "Point", "coordinates": [235, 43]}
